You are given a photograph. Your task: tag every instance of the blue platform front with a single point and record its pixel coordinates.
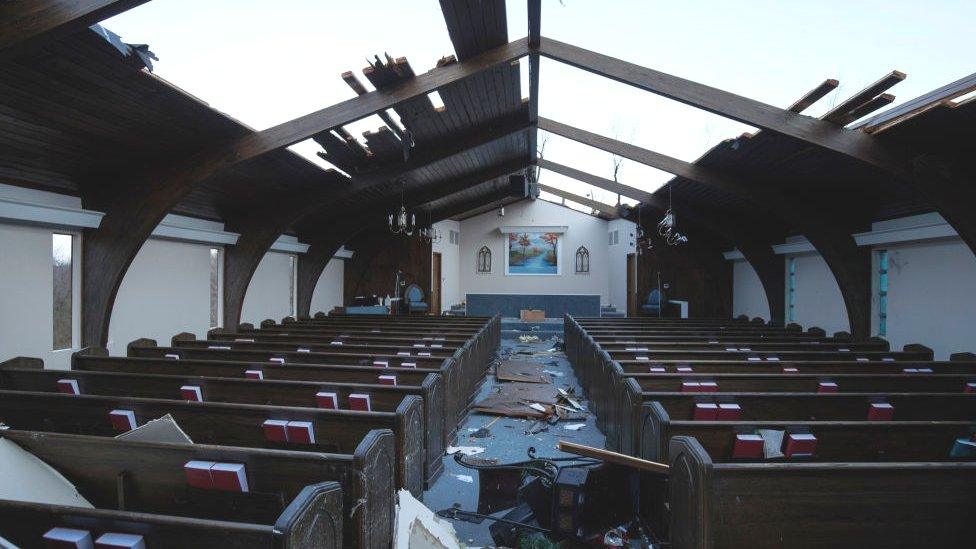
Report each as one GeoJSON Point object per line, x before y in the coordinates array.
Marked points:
{"type": "Point", "coordinates": [510, 305]}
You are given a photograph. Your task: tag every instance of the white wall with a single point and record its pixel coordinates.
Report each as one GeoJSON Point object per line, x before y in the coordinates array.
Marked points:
{"type": "Point", "coordinates": [328, 292]}
{"type": "Point", "coordinates": [450, 263]}
{"type": "Point", "coordinates": [748, 296]}
{"type": "Point", "coordinates": [818, 298]}
{"type": "Point", "coordinates": [27, 295]}
{"type": "Point", "coordinates": [617, 262]}
{"type": "Point", "coordinates": [931, 296]}
{"type": "Point", "coordinates": [165, 291]}
{"type": "Point", "coordinates": [268, 295]}
{"type": "Point", "coordinates": [583, 229]}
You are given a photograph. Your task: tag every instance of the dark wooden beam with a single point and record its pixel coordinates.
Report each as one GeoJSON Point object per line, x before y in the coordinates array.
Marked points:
{"type": "Point", "coordinates": [814, 95]}
{"type": "Point", "coordinates": [596, 181]}
{"type": "Point", "coordinates": [855, 101]}
{"type": "Point", "coordinates": [857, 145]}
{"type": "Point", "coordinates": [27, 24]}
{"type": "Point", "coordinates": [865, 109]}
{"type": "Point", "coordinates": [588, 202]}
{"type": "Point", "coordinates": [535, 35]}
{"type": "Point", "coordinates": [312, 263]}
{"type": "Point", "coordinates": [132, 215]}
{"type": "Point", "coordinates": [849, 264]}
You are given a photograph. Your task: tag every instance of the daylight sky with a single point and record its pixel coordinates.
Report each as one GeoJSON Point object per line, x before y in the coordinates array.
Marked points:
{"type": "Point", "coordinates": [264, 62]}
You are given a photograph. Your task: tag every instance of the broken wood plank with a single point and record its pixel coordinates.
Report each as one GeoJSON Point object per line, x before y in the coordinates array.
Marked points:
{"type": "Point", "coordinates": [613, 457]}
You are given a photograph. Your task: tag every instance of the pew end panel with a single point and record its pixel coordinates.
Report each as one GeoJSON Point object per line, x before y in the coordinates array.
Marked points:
{"type": "Point", "coordinates": [808, 505]}
{"type": "Point", "coordinates": [182, 336]}
{"type": "Point", "coordinates": [928, 353]}
{"type": "Point", "coordinates": [410, 440]}
{"type": "Point", "coordinates": [141, 343]}
{"type": "Point", "coordinates": [23, 362]}
{"type": "Point", "coordinates": [655, 426]}
{"type": "Point", "coordinates": [313, 519]}
{"type": "Point", "coordinates": [373, 498]}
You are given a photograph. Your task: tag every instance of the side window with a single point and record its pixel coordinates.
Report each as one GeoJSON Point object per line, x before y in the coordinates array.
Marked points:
{"type": "Point", "coordinates": [484, 260]}
{"type": "Point", "coordinates": [61, 252]}
{"type": "Point", "coordinates": [582, 260]}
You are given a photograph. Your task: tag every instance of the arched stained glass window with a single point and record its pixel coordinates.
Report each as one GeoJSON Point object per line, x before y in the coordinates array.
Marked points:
{"type": "Point", "coordinates": [484, 260]}
{"type": "Point", "coordinates": [582, 260]}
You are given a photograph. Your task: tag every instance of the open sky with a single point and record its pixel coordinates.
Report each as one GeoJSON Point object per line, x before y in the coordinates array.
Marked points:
{"type": "Point", "coordinates": [264, 63]}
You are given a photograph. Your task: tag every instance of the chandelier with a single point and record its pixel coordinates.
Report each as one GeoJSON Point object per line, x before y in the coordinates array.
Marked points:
{"type": "Point", "coordinates": [400, 222]}
{"type": "Point", "coordinates": [666, 228]}
{"type": "Point", "coordinates": [429, 234]}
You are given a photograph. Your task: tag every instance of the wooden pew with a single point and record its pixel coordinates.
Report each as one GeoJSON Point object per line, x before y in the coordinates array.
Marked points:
{"type": "Point", "coordinates": [428, 380]}
{"type": "Point", "coordinates": [339, 431]}
{"type": "Point", "coordinates": [457, 391]}
{"type": "Point", "coordinates": [814, 505]}
{"type": "Point", "coordinates": [629, 415]}
{"type": "Point", "coordinates": [836, 440]}
{"type": "Point", "coordinates": [27, 375]}
{"type": "Point", "coordinates": [143, 477]}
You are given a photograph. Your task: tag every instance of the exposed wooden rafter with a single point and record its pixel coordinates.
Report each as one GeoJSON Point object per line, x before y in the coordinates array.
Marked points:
{"type": "Point", "coordinates": [26, 24]}
{"type": "Point", "coordinates": [596, 181]}
{"type": "Point", "coordinates": [814, 95]}
{"type": "Point", "coordinates": [856, 145]}
{"type": "Point", "coordinates": [606, 209]}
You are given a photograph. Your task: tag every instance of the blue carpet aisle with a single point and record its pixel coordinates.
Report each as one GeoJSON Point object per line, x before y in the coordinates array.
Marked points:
{"type": "Point", "coordinates": [508, 441]}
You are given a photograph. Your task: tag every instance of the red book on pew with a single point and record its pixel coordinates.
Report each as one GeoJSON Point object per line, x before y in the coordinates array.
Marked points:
{"type": "Point", "coordinates": [708, 387]}
{"type": "Point", "coordinates": [192, 393]}
{"type": "Point", "coordinates": [388, 380]}
{"type": "Point", "coordinates": [684, 369]}
{"type": "Point", "coordinates": [789, 370]}
{"type": "Point", "coordinates": [254, 374]}
{"type": "Point", "coordinates": [275, 430]}
{"type": "Point", "coordinates": [748, 447]}
{"type": "Point", "coordinates": [68, 537]}
{"type": "Point", "coordinates": [729, 412]}
{"type": "Point", "coordinates": [827, 387]}
{"type": "Point", "coordinates": [68, 386]}
{"type": "Point", "coordinates": [970, 388]}
{"type": "Point", "coordinates": [656, 370]}
{"type": "Point", "coordinates": [799, 445]}
{"type": "Point", "coordinates": [229, 477]}
{"type": "Point", "coordinates": [706, 411]}
{"type": "Point", "coordinates": [329, 401]}
{"type": "Point", "coordinates": [690, 387]}
{"type": "Point", "coordinates": [360, 401]}
{"type": "Point", "coordinates": [123, 420]}
{"type": "Point", "coordinates": [408, 364]}
{"type": "Point", "coordinates": [198, 473]}
{"type": "Point", "coordinates": [301, 432]}
{"type": "Point", "coordinates": [881, 411]}
{"type": "Point", "coordinates": [113, 540]}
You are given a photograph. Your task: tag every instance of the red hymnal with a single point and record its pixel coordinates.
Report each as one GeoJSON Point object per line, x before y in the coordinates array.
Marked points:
{"type": "Point", "coordinates": [229, 477]}
{"type": "Point", "coordinates": [748, 447]}
{"type": "Point", "coordinates": [191, 392]}
{"type": "Point", "coordinates": [328, 401]}
{"type": "Point", "coordinates": [881, 411]}
{"type": "Point", "coordinates": [275, 430]}
{"type": "Point", "coordinates": [359, 401]}
{"type": "Point", "coordinates": [706, 411]}
{"type": "Point", "coordinates": [68, 386]}
{"type": "Point", "coordinates": [123, 420]}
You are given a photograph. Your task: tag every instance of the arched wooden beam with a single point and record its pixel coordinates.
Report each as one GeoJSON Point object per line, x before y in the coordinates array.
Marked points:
{"type": "Point", "coordinates": [312, 263]}
{"type": "Point", "coordinates": [132, 214]}
{"type": "Point", "coordinates": [767, 265]}
{"type": "Point", "coordinates": [944, 181]}
{"type": "Point", "coordinates": [849, 264]}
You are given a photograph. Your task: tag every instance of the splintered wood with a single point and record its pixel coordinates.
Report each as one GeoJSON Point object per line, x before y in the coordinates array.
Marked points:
{"type": "Point", "coordinates": [522, 370]}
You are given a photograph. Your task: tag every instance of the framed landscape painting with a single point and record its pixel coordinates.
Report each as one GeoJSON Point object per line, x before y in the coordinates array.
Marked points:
{"type": "Point", "coordinates": [533, 253]}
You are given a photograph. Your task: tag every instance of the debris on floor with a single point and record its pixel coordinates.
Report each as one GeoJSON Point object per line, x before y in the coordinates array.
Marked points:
{"type": "Point", "coordinates": [417, 527]}
{"type": "Point", "coordinates": [522, 370]}
{"type": "Point", "coordinates": [528, 339]}
{"type": "Point", "coordinates": [466, 450]}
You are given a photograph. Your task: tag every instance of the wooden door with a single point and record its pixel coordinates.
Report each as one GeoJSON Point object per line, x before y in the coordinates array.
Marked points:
{"type": "Point", "coordinates": [631, 285]}
{"type": "Point", "coordinates": [435, 284]}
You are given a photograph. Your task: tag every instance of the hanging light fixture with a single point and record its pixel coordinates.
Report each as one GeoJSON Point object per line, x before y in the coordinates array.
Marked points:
{"type": "Point", "coordinates": [400, 222]}
{"type": "Point", "coordinates": [430, 234]}
{"type": "Point", "coordinates": [666, 228]}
